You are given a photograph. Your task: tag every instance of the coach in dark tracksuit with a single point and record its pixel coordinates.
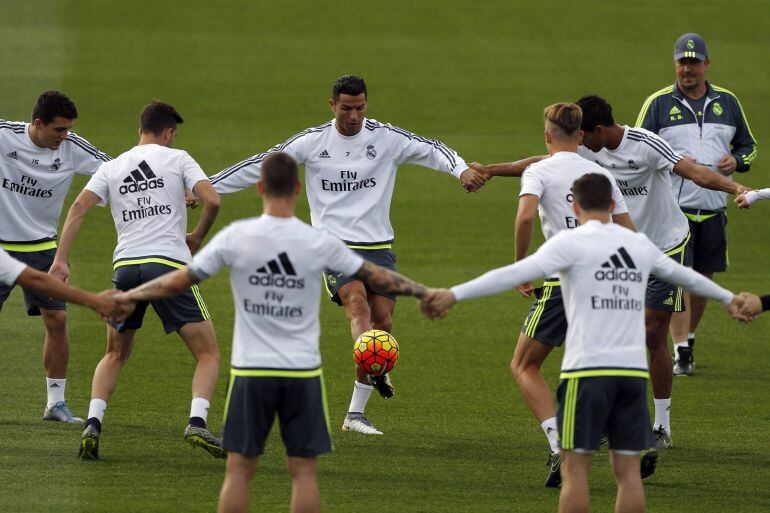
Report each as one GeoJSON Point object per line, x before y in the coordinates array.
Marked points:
{"type": "Point", "coordinates": [707, 123]}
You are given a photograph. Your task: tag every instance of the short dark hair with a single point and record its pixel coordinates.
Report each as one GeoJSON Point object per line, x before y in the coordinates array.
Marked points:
{"type": "Point", "coordinates": [280, 175]}
{"type": "Point", "coordinates": [53, 104]}
{"type": "Point", "coordinates": [596, 111]}
{"type": "Point", "coordinates": [348, 84]}
{"type": "Point", "coordinates": [158, 116]}
{"type": "Point", "coordinates": [593, 191]}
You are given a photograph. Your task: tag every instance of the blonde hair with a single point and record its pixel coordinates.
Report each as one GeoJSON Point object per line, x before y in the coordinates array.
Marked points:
{"type": "Point", "coordinates": [563, 119]}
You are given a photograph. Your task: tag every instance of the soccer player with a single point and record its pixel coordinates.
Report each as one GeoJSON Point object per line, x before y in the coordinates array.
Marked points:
{"type": "Point", "coordinates": [350, 168]}
{"type": "Point", "coordinates": [274, 262]}
{"type": "Point", "coordinates": [546, 189]}
{"type": "Point", "coordinates": [37, 163]}
{"type": "Point", "coordinates": [16, 272]}
{"type": "Point", "coordinates": [603, 269]}
{"type": "Point", "coordinates": [707, 123]}
{"type": "Point", "coordinates": [146, 189]}
{"type": "Point", "coordinates": [642, 164]}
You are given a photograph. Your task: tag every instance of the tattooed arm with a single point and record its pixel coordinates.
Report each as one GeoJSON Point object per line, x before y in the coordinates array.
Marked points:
{"type": "Point", "coordinates": [164, 286]}
{"type": "Point", "coordinates": [386, 280]}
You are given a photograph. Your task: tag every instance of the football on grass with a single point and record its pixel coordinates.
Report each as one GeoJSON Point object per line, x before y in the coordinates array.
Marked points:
{"type": "Point", "coordinates": [376, 352]}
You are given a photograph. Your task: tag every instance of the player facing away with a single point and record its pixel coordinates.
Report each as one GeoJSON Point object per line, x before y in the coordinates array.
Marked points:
{"type": "Point", "coordinates": [275, 261]}
{"type": "Point", "coordinates": [546, 189]}
{"type": "Point", "coordinates": [16, 272]}
{"type": "Point", "coordinates": [603, 270]}
{"type": "Point", "coordinates": [37, 163]}
{"type": "Point", "coordinates": [350, 169]}
{"type": "Point", "coordinates": [145, 187]}
{"type": "Point", "coordinates": [642, 163]}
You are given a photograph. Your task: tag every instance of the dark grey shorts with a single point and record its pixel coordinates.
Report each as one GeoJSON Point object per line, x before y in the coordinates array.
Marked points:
{"type": "Point", "coordinates": [547, 320]}
{"type": "Point", "coordinates": [174, 312]}
{"type": "Point", "coordinates": [708, 240]}
{"type": "Point", "coordinates": [253, 401]}
{"type": "Point", "coordinates": [382, 257]}
{"type": "Point", "coordinates": [663, 296]}
{"type": "Point", "coordinates": [40, 260]}
{"type": "Point", "coordinates": [589, 407]}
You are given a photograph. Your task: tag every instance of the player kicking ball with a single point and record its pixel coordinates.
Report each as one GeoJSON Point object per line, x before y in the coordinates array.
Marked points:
{"type": "Point", "coordinates": [274, 263]}
{"type": "Point", "coordinates": [603, 270]}
{"type": "Point", "coordinates": [350, 168]}
{"type": "Point", "coordinates": [146, 190]}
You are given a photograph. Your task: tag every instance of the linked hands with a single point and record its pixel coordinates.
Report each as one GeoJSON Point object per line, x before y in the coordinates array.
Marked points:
{"type": "Point", "coordinates": [751, 307]}
{"type": "Point", "coordinates": [473, 179]}
{"type": "Point", "coordinates": [112, 305]}
{"type": "Point", "coordinates": [436, 303]}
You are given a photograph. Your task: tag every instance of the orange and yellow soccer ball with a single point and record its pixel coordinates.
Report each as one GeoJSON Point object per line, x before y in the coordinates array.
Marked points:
{"type": "Point", "coordinates": [376, 352]}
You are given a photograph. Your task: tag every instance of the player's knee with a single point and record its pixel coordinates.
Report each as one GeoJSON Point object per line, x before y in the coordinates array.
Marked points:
{"type": "Point", "coordinates": [383, 322]}
{"type": "Point", "coordinates": [55, 321]}
{"type": "Point", "coordinates": [357, 307]}
{"type": "Point", "coordinates": [302, 468]}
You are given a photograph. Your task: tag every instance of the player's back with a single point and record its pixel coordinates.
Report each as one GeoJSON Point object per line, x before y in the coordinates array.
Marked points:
{"type": "Point", "coordinates": [604, 275]}
{"type": "Point", "coordinates": [551, 180]}
{"type": "Point", "coordinates": [275, 273]}
{"type": "Point", "coordinates": [146, 188]}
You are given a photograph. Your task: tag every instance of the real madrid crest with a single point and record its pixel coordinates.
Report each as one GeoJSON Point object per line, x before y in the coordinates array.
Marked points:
{"type": "Point", "coordinates": [371, 153]}
{"type": "Point", "coordinates": [56, 164]}
{"type": "Point", "coordinates": [717, 109]}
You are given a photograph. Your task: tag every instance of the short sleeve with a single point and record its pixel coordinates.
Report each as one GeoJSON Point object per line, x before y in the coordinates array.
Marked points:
{"type": "Point", "coordinates": [86, 158]}
{"type": "Point", "coordinates": [531, 183]}
{"type": "Point", "coordinates": [10, 268]}
{"type": "Point", "coordinates": [660, 152]}
{"type": "Point", "coordinates": [191, 171]}
{"type": "Point", "coordinates": [214, 256]}
{"type": "Point", "coordinates": [339, 257]}
{"type": "Point", "coordinates": [98, 185]}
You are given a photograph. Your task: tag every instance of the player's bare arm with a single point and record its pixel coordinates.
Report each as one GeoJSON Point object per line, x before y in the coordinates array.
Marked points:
{"type": "Point", "coordinates": [624, 220]}
{"type": "Point", "coordinates": [211, 202]}
{"type": "Point", "coordinates": [514, 169]}
{"type": "Point", "coordinates": [103, 303]}
{"type": "Point", "coordinates": [163, 287]}
{"type": "Point", "coordinates": [704, 177]}
{"type": "Point", "coordinates": [525, 228]}
{"type": "Point", "coordinates": [83, 203]}
{"type": "Point", "coordinates": [386, 280]}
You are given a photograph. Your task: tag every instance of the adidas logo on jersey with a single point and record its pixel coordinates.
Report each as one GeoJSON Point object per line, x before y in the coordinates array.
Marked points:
{"type": "Point", "coordinates": [277, 273]}
{"type": "Point", "coordinates": [140, 180]}
{"type": "Point", "coordinates": [674, 111]}
{"type": "Point", "coordinates": [324, 155]}
{"type": "Point", "coordinates": [13, 155]}
{"type": "Point", "coordinates": [618, 268]}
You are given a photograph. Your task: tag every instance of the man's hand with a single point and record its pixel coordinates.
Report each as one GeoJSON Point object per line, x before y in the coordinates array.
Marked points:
{"type": "Point", "coordinates": [727, 165]}
{"type": "Point", "coordinates": [482, 169]}
{"type": "Point", "coordinates": [436, 303]}
{"type": "Point", "coordinates": [742, 201]}
{"type": "Point", "coordinates": [752, 305]}
{"type": "Point", "coordinates": [193, 243]}
{"type": "Point", "coordinates": [741, 189]}
{"type": "Point", "coordinates": [525, 289]}
{"type": "Point", "coordinates": [190, 199]}
{"type": "Point", "coordinates": [105, 304]}
{"type": "Point", "coordinates": [472, 180]}
{"type": "Point", "coordinates": [735, 309]}
{"type": "Point", "coordinates": [60, 270]}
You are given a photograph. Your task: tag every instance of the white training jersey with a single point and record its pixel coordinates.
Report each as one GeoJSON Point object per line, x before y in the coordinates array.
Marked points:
{"type": "Point", "coordinates": [603, 270]}
{"type": "Point", "coordinates": [551, 181]}
{"type": "Point", "coordinates": [349, 180]}
{"type": "Point", "coordinates": [10, 268]}
{"type": "Point", "coordinates": [275, 264]}
{"type": "Point", "coordinates": [34, 182]}
{"type": "Point", "coordinates": [145, 187]}
{"type": "Point", "coordinates": [642, 167]}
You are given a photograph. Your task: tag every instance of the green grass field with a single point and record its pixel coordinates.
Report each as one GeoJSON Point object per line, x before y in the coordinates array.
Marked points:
{"type": "Point", "coordinates": [459, 437]}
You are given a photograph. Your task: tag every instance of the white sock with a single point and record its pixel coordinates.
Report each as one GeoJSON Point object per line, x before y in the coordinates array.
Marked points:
{"type": "Point", "coordinates": [360, 397]}
{"type": "Point", "coordinates": [678, 345]}
{"type": "Point", "coordinates": [663, 414]}
{"type": "Point", "coordinates": [55, 389]}
{"type": "Point", "coordinates": [551, 433]}
{"type": "Point", "coordinates": [96, 409]}
{"type": "Point", "coordinates": [199, 408]}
